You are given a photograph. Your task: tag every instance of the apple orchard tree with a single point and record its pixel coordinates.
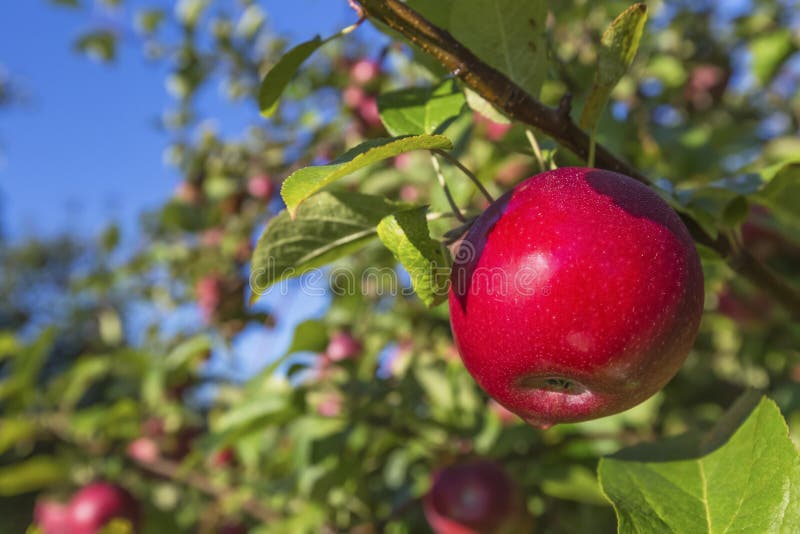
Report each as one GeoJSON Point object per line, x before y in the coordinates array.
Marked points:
{"type": "Point", "coordinates": [636, 300]}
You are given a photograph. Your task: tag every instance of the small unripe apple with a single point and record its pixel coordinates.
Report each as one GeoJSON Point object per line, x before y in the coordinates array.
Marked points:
{"type": "Point", "coordinates": [342, 346]}
{"type": "Point", "coordinates": [95, 505]}
{"type": "Point", "coordinates": [576, 295]}
{"type": "Point", "coordinates": [50, 516]}
{"type": "Point", "coordinates": [475, 498]}
{"type": "Point", "coordinates": [261, 187]}
{"type": "Point", "coordinates": [232, 528]}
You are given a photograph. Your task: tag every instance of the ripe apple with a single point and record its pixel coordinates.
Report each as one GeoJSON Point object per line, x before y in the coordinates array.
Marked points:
{"type": "Point", "coordinates": [97, 504]}
{"type": "Point", "coordinates": [232, 528]}
{"type": "Point", "coordinates": [576, 295]}
{"type": "Point", "coordinates": [144, 450]}
{"type": "Point", "coordinates": [261, 187]}
{"type": "Point", "coordinates": [364, 71]}
{"type": "Point", "coordinates": [475, 497]}
{"type": "Point", "coordinates": [50, 516]}
{"type": "Point", "coordinates": [223, 458]}
{"type": "Point", "coordinates": [209, 296]}
{"type": "Point", "coordinates": [342, 346]}
{"type": "Point", "coordinates": [368, 112]}
{"type": "Point", "coordinates": [495, 131]}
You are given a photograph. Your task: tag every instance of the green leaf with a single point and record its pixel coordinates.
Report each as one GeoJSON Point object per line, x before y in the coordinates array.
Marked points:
{"type": "Point", "coordinates": [477, 103]}
{"type": "Point", "coordinates": [406, 235]}
{"type": "Point", "coordinates": [507, 34]}
{"type": "Point", "coordinates": [574, 483]}
{"type": "Point", "coordinates": [281, 73]}
{"type": "Point", "coordinates": [618, 47]}
{"type": "Point", "coordinates": [781, 189]}
{"type": "Point", "coordinates": [744, 476]}
{"type": "Point", "coordinates": [15, 431]}
{"type": "Point", "coordinates": [32, 474]}
{"type": "Point", "coordinates": [149, 20]}
{"type": "Point", "coordinates": [310, 335]}
{"type": "Point", "coordinates": [100, 45]}
{"type": "Point", "coordinates": [769, 50]}
{"type": "Point", "coordinates": [421, 110]}
{"type": "Point", "coordinates": [188, 352]}
{"type": "Point", "coordinates": [305, 182]}
{"type": "Point", "coordinates": [81, 376]}
{"type": "Point", "coordinates": [330, 225]}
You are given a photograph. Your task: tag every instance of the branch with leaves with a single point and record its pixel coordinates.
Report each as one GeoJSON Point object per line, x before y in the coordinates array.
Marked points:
{"type": "Point", "coordinates": [507, 96]}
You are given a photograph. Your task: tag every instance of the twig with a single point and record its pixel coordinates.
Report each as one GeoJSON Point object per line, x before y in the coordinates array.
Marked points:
{"type": "Point", "coordinates": [466, 171]}
{"type": "Point", "coordinates": [439, 176]}
{"type": "Point", "coordinates": [174, 471]}
{"type": "Point", "coordinates": [514, 102]}
{"type": "Point", "coordinates": [59, 427]}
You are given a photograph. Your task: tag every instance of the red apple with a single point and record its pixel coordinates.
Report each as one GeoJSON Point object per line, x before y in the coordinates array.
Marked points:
{"type": "Point", "coordinates": [97, 504]}
{"type": "Point", "coordinates": [364, 71]}
{"type": "Point", "coordinates": [223, 458]}
{"type": "Point", "coordinates": [576, 295]}
{"type": "Point", "coordinates": [475, 498]}
{"type": "Point", "coordinates": [342, 346]}
{"type": "Point", "coordinates": [50, 516]}
{"type": "Point", "coordinates": [352, 96]}
{"type": "Point", "coordinates": [368, 111]}
{"type": "Point", "coordinates": [144, 450]}
{"type": "Point", "coordinates": [330, 405]}
{"type": "Point", "coordinates": [495, 131]}
{"type": "Point", "coordinates": [209, 296]}
{"type": "Point", "coordinates": [232, 528]}
{"type": "Point", "coordinates": [261, 187]}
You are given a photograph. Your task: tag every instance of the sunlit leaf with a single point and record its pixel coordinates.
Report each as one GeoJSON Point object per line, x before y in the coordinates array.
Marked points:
{"type": "Point", "coordinates": [406, 235]}
{"type": "Point", "coordinates": [326, 227]}
{"type": "Point", "coordinates": [618, 47]}
{"type": "Point", "coordinates": [305, 182]}
{"type": "Point", "coordinates": [421, 109]}
{"type": "Point", "coordinates": [36, 473]}
{"type": "Point", "coordinates": [744, 476]}
{"type": "Point", "coordinates": [282, 72]}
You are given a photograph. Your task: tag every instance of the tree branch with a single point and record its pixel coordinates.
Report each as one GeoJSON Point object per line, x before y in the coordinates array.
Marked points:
{"type": "Point", "coordinates": [500, 91]}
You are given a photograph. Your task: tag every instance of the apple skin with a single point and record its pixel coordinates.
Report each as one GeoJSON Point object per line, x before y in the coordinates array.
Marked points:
{"type": "Point", "coordinates": [576, 295]}
{"type": "Point", "coordinates": [477, 497]}
{"type": "Point", "coordinates": [342, 346]}
{"type": "Point", "coordinates": [97, 504]}
{"type": "Point", "coordinates": [261, 187]}
{"type": "Point", "coordinates": [50, 516]}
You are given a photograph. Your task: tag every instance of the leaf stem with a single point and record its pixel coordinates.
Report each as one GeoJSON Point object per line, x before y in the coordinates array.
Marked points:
{"type": "Point", "coordinates": [537, 151]}
{"type": "Point", "coordinates": [439, 176]}
{"type": "Point", "coordinates": [466, 171]}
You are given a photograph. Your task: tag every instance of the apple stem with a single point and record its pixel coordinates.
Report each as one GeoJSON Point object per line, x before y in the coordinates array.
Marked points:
{"type": "Point", "coordinates": [469, 174]}
{"type": "Point", "coordinates": [592, 143]}
{"type": "Point", "coordinates": [440, 177]}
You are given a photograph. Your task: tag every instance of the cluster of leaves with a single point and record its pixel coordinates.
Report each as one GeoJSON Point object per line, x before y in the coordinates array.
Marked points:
{"type": "Point", "coordinates": [314, 442]}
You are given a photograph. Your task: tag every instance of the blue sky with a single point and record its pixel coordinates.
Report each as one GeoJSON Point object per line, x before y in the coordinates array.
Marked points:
{"type": "Point", "coordinates": [84, 149]}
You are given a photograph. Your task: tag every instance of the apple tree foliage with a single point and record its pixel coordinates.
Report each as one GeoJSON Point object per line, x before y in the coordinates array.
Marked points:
{"type": "Point", "coordinates": [103, 345]}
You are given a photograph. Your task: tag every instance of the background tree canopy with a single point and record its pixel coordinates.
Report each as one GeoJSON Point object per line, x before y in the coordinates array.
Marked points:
{"type": "Point", "coordinates": [249, 361]}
